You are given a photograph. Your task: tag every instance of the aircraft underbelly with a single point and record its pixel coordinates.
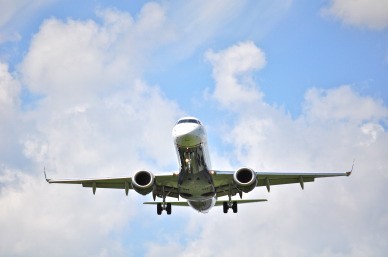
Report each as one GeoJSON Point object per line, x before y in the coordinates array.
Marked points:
{"type": "Point", "coordinates": [196, 188]}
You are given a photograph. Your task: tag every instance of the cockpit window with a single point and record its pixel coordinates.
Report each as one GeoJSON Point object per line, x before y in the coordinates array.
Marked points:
{"type": "Point", "coordinates": [189, 121]}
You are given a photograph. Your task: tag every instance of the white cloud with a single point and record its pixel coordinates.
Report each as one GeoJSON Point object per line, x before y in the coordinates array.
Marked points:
{"type": "Point", "coordinates": [341, 104]}
{"type": "Point", "coordinates": [199, 22]}
{"type": "Point", "coordinates": [9, 91]}
{"type": "Point", "coordinates": [331, 217]}
{"type": "Point", "coordinates": [232, 73]}
{"type": "Point", "coordinates": [364, 13]}
{"type": "Point", "coordinates": [9, 115]}
{"type": "Point", "coordinates": [16, 13]}
{"type": "Point", "coordinates": [93, 57]}
{"type": "Point", "coordinates": [93, 94]}
{"type": "Point", "coordinates": [97, 117]}
{"type": "Point", "coordinates": [41, 220]}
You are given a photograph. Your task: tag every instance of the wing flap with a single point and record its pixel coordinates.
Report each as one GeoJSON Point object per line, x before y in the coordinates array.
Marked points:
{"type": "Point", "coordinates": [283, 180]}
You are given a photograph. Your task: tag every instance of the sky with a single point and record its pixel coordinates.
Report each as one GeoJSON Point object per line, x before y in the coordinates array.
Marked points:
{"type": "Point", "coordinates": [93, 89]}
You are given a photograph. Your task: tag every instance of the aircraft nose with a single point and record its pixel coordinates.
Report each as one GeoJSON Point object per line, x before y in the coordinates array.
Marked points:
{"type": "Point", "coordinates": [187, 135]}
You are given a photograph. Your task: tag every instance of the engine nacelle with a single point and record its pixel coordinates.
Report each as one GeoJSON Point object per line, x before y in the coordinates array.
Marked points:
{"type": "Point", "coordinates": [143, 182]}
{"type": "Point", "coordinates": [245, 179]}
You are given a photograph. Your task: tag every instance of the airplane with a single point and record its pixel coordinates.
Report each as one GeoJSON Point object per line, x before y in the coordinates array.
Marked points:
{"type": "Point", "coordinates": [196, 181]}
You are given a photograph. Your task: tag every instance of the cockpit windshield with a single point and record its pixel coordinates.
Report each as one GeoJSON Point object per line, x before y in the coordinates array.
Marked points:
{"type": "Point", "coordinates": [189, 121]}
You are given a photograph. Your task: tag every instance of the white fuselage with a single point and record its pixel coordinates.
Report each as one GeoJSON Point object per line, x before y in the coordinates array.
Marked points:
{"type": "Point", "coordinates": [195, 183]}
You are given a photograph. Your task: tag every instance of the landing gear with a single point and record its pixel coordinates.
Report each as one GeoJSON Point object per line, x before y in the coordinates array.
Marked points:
{"type": "Point", "coordinates": [229, 205]}
{"type": "Point", "coordinates": [165, 206]}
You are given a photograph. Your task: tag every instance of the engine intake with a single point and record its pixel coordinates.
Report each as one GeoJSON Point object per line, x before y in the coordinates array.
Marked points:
{"type": "Point", "coordinates": [143, 182]}
{"type": "Point", "coordinates": [245, 179]}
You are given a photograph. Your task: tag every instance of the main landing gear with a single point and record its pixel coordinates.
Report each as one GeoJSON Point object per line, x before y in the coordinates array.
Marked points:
{"type": "Point", "coordinates": [230, 205]}
{"type": "Point", "coordinates": [165, 206]}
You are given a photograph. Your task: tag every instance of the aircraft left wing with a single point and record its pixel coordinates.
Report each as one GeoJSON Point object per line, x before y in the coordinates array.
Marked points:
{"type": "Point", "coordinates": [224, 183]}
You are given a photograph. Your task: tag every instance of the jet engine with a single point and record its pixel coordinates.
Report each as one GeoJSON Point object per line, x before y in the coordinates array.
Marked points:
{"type": "Point", "coordinates": [245, 179]}
{"type": "Point", "coordinates": [143, 182]}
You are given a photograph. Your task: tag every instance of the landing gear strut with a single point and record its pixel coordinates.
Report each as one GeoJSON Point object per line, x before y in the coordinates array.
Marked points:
{"type": "Point", "coordinates": [230, 205]}
{"type": "Point", "coordinates": [163, 206]}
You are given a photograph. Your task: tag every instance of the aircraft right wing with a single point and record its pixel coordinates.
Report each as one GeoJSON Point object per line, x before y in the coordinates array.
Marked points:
{"type": "Point", "coordinates": [165, 184]}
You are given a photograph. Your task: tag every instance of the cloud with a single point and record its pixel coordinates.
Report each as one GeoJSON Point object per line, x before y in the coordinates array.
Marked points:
{"type": "Point", "coordinates": [331, 217]}
{"type": "Point", "coordinates": [96, 117]}
{"type": "Point", "coordinates": [96, 89]}
{"type": "Point", "coordinates": [362, 13]}
{"type": "Point", "coordinates": [232, 73]}
{"type": "Point", "coordinates": [9, 91]}
{"type": "Point", "coordinates": [9, 115]}
{"type": "Point", "coordinates": [339, 104]}
{"type": "Point", "coordinates": [16, 13]}
{"type": "Point", "coordinates": [46, 221]}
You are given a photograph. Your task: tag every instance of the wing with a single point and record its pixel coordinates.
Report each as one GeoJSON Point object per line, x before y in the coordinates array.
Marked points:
{"type": "Point", "coordinates": [223, 180]}
{"type": "Point", "coordinates": [165, 184]}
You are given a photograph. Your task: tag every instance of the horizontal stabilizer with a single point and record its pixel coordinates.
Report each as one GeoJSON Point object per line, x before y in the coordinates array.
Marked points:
{"type": "Point", "coordinates": [172, 203]}
{"type": "Point", "coordinates": [220, 203]}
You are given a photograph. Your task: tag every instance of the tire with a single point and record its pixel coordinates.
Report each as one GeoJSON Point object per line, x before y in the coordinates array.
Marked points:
{"type": "Point", "coordinates": [234, 207]}
{"type": "Point", "coordinates": [159, 208]}
{"type": "Point", "coordinates": [226, 207]}
{"type": "Point", "coordinates": [168, 208]}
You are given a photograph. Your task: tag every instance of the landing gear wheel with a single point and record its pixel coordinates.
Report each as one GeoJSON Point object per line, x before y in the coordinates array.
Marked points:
{"type": "Point", "coordinates": [234, 207]}
{"type": "Point", "coordinates": [159, 208]}
{"type": "Point", "coordinates": [168, 208]}
{"type": "Point", "coordinates": [226, 207]}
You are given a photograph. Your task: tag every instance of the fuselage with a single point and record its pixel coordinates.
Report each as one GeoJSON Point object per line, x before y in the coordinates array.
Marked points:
{"type": "Point", "coordinates": [195, 182]}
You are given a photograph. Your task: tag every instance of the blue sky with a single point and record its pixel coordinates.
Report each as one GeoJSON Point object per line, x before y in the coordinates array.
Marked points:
{"type": "Point", "coordinates": [93, 89]}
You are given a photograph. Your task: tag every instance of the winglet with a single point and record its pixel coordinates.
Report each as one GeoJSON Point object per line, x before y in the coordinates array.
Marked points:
{"type": "Point", "coordinates": [350, 172]}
